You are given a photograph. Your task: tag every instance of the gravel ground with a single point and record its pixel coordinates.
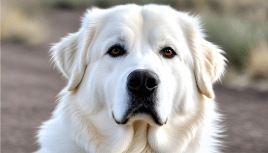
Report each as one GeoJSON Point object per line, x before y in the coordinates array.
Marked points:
{"type": "Point", "coordinates": [30, 85]}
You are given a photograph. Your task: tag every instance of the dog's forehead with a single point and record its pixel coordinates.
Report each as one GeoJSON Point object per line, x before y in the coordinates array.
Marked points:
{"type": "Point", "coordinates": [152, 21]}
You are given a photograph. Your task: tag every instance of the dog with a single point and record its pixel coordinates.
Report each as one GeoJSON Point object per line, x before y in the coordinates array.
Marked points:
{"type": "Point", "coordinates": [139, 80]}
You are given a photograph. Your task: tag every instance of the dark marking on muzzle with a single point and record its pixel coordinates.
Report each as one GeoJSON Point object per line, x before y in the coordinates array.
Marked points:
{"type": "Point", "coordinates": [142, 88]}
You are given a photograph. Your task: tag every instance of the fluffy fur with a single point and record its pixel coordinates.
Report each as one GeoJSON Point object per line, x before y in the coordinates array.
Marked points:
{"type": "Point", "coordinates": [83, 121]}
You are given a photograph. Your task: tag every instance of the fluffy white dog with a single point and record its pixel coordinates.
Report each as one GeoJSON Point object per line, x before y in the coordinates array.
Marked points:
{"type": "Point", "coordinates": [139, 80]}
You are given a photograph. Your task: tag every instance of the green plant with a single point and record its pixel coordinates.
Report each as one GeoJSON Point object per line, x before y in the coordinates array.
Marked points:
{"type": "Point", "coordinates": [235, 36]}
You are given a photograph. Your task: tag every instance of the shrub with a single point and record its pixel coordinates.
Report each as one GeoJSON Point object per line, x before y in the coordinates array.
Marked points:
{"type": "Point", "coordinates": [235, 36]}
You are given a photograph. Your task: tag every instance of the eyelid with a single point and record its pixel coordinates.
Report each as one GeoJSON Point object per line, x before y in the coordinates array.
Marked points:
{"type": "Point", "coordinates": [161, 49]}
{"type": "Point", "coordinates": [166, 46]}
{"type": "Point", "coordinates": [115, 45]}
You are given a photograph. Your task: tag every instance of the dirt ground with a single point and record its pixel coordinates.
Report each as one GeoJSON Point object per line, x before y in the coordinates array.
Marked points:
{"type": "Point", "coordinates": [30, 85]}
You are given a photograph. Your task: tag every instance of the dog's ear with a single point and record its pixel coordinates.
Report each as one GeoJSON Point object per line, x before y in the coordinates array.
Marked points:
{"type": "Point", "coordinates": [209, 67]}
{"type": "Point", "coordinates": [209, 63]}
{"type": "Point", "coordinates": [70, 54]}
{"type": "Point", "coordinates": [69, 59]}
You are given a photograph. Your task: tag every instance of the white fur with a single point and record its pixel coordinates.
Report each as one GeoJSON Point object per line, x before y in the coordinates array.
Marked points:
{"type": "Point", "coordinates": [82, 121]}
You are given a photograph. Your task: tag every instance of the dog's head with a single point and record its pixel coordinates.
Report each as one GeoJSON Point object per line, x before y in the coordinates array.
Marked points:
{"type": "Point", "coordinates": [138, 63]}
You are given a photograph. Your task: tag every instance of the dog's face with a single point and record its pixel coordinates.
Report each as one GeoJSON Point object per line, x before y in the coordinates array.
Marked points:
{"type": "Point", "coordinates": [138, 63]}
{"type": "Point", "coordinates": [139, 58]}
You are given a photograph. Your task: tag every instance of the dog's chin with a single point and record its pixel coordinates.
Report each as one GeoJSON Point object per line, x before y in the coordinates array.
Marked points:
{"type": "Point", "coordinates": [142, 114]}
{"type": "Point", "coordinates": [146, 118]}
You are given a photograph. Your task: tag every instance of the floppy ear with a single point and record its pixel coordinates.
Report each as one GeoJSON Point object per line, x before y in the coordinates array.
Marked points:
{"type": "Point", "coordinates": [209, 63]}
{"type": "Point", "coordinates": [68, 58]}
{"type": "Point", "coordinates": [209, 67]}
{"type": "Point", "coordinates": [69, 55]}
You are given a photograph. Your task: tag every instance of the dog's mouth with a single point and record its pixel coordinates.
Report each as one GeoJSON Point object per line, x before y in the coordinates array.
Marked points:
{"type": "Point", "coordinates": [142, 88]}
{"type": "Point", "coordinates": [140, 112]}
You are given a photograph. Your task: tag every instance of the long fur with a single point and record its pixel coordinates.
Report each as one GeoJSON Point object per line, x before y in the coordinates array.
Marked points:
{"type": "Point", "coordinates": [83, 122]}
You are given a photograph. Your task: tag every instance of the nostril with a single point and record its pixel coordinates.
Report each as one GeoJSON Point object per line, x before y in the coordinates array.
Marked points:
{"type": "Point", "coordinates": [134, 83]}
{"type": "Point", "coordinates": [142, 82]}
{"type": "Point", "coordinates": [151, 83]}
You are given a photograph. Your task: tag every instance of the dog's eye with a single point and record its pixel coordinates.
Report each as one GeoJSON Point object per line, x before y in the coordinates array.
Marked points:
{"type": "Point", "coordinates": [116, 50]}
{"type": "Point", "coordinates": [168, 52]}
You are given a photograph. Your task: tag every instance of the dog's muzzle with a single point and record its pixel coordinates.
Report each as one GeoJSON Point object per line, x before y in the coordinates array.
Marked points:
{"type": "Point", "coordinates": [142, 87]}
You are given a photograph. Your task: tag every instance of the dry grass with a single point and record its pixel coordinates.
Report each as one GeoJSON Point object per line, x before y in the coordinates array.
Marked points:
{"type": "Point", "coordinates": [258, 61]}
{"type": "Point", "coordinates": [22, 23]}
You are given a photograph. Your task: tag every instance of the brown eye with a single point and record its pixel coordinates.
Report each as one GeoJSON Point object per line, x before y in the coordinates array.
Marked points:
{"type": "Point", "coordinates": [116, 50]}
{"type": "Point", "coordinates": [168, 52]}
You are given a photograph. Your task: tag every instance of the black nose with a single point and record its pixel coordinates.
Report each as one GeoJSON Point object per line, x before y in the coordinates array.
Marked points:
{"type": "Point", "coordinates": [142, 82]}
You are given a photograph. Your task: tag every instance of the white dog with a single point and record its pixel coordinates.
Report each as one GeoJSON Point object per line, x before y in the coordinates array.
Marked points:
{"type": "Point", "coordinates": [139, 80]}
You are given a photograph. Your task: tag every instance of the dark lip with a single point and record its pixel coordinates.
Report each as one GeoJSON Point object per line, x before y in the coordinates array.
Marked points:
{"type": "Point", "coordinates": [140, 109]}
{"type": "Point", "coordinates": [122, 122]}
{"type": "Point", "coordinates": [140, 104]}
{"type": "Point", "coordinates": [127, 116]}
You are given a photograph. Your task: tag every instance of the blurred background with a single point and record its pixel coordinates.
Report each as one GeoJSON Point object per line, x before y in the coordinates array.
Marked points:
{"type": "Point", "coordinates": [30, 84]}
